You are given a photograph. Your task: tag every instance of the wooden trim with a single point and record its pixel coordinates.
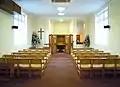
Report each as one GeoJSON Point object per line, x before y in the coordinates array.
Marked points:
{"type": "Point", "coordinates": [10, 6]}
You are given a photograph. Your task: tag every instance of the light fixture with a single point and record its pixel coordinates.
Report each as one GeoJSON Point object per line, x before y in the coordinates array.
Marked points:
{"type": "Point", "coordinates": [84, 26]}
{"type": "Point", "coordinates": [61, 1]}
{"type": "Point", "coordinates": [61, 14]}
{"type": "Point", "coordinates": [60, 9]}
{"type": "Point", "coordinates": [107, 26]}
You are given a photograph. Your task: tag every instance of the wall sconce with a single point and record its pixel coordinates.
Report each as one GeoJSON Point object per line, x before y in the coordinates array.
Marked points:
{"type": "Point", "coordinates": [107, 26]}
{"type": "Point", "coordinates": [14, 27]}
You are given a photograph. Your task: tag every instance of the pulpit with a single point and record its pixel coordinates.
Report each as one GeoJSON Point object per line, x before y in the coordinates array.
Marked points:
{"type": "Point", "coordinates": [61, 43]}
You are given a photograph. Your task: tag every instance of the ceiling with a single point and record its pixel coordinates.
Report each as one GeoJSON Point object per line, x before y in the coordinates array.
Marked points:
{"type": "Point", "coordinates": [76, 8]}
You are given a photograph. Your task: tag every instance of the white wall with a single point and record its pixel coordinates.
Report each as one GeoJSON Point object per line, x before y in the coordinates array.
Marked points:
{"type": "Point", "coordinates": [6, 34]}
{"type": "Point", "coordinates": [114, 16]}
{"type": "Point", "coordinates": [30, 28]}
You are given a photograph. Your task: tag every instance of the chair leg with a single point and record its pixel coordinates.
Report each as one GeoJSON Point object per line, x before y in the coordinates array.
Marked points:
{"type": "Point", "coordinates": [11, 72]}
{"type": "Point", "coordinates": [114, 72]}
{"type": "Point", "coordinates": [90, 72]}
{"type": "Point", "coordinates": [18, 72]}
{"type": "Point", "coordinates": [102, 73]}
{"type": "Point", "coordinates": [6, 72]}
{"type": "Point", "coordinates": [30, 73]}
{"type": "Point", "coordinates": [79, 74]}
{"type": "Point", "coordinates": [41, 72]}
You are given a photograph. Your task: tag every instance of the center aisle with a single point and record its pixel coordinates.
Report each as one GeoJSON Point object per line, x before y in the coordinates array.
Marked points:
{"type": "Point", "coordinates": [60, 72]}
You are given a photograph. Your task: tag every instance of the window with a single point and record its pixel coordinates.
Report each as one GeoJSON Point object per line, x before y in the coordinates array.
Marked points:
{"type": "Point", "coordinates": [20, 34]}
{"type": "Point", "coordinates": [101, 34]}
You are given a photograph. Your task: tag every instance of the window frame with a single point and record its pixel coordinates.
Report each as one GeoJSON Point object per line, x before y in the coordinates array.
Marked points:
{"type": "Point", "coordinates": [100, 32]}
{"type": "Point", "coordinates": [20, 34]}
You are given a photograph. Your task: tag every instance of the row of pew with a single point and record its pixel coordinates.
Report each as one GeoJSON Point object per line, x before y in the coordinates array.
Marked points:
{"type": "Point", "coordinates": [94, 61]}
{"type": "Point", "coordinates": [26, 61]}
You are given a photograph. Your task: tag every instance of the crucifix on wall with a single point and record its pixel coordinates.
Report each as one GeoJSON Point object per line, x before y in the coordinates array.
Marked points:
{"type": "Point", "coordinates": [40, 31]}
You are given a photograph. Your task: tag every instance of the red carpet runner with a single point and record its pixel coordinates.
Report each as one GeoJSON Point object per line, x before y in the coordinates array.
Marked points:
{"type": "Point", "coordinates": [60, 72]}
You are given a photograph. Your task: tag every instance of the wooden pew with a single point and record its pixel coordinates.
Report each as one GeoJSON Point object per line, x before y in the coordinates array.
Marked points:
{"type": "Point", "coordinates": [117, 66]}
{"type": "Point", "coordinates": [28, 65]}
{"type": "Point", "coordinates": [81, 52]}
{"type": "Point", "coordinates": [83, 48]}
{"type": "Point", "coordinates": [33, 51]}
{"type": "Point", "coordinates": [91, 54]}
{"type": "Point", "coordinates": [15, 60]}
{"type": "Point", "coordinates": [97, 65]}
{"type": "Point", "coordinates": [40, 56]}
{"type": "Point", "coordinates": [45, 55]}
{"type": "Point", "coordinates": [93, 51]}
{"type": "Point", "coordinates": [75, 52]}
{"type": "Point", "coordinates": [29, 53]}
{"type": "Point", "coordinates": [92, 60]}
{"type": "Point", "coordinates": [42, 49]}
{"type": "Point", "coordinates": [105, 64]}
{"type": "Point", "coordinates": [84, 65]}
{"type": "Point", "coordinates": [109, 66]}
{"type": "Point", "coordinates": [3, 67]}
{"type": "Point", "coordinates": [37, 52]}
{"type": "Point", "coordinates": [95, 56]}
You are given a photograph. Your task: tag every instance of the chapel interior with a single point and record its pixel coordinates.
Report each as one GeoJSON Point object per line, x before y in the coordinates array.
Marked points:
{"type": "Point", "coordinates": [59, 43]}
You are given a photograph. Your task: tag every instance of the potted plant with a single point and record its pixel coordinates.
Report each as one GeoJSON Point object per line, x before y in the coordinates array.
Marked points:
{"type": "Point", "coordinates": [87, 41]}
{"type": "Point", "coordinates": [35, 40]}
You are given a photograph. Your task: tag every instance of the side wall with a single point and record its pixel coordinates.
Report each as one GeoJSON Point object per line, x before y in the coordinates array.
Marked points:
{"type": "Point", "coordinates": [114, 16]}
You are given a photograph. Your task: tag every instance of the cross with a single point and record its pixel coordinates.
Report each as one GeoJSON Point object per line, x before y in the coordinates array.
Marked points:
{"type": "Point", "coordinates": [40, 31]}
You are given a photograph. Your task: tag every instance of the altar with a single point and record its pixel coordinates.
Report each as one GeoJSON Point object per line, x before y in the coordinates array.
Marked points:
{"type": "Point", "coordinates": [61, 43]}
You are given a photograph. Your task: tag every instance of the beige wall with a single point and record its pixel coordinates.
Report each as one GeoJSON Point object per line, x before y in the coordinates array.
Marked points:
{"type": "Point", "coordinates": [44, 24]}
{"type": "Point", "coordinates": [55, 27]}
{"type": "Point", "coordinates": [114, 16]}
{"type": "Point", "coordinates": [72, 26]}
{"type": "Point", "coordinates": [51, 26]}
{"type": "Point", "coordinates": [61, 27]}
{"type": "Point", "coordinates": [37, 23]}
{"type": "Point", "coordinates": [34, 23]}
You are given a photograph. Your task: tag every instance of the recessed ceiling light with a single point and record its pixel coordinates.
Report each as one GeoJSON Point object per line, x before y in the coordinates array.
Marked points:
{"type": "Point", "coordinates": [60, 14]}
{"type": "Point", "coordinates": [61, 9]}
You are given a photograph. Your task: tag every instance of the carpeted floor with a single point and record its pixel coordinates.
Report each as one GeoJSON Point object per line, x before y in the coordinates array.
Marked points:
{"type": "Point", "coordinates": [61, 72]}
